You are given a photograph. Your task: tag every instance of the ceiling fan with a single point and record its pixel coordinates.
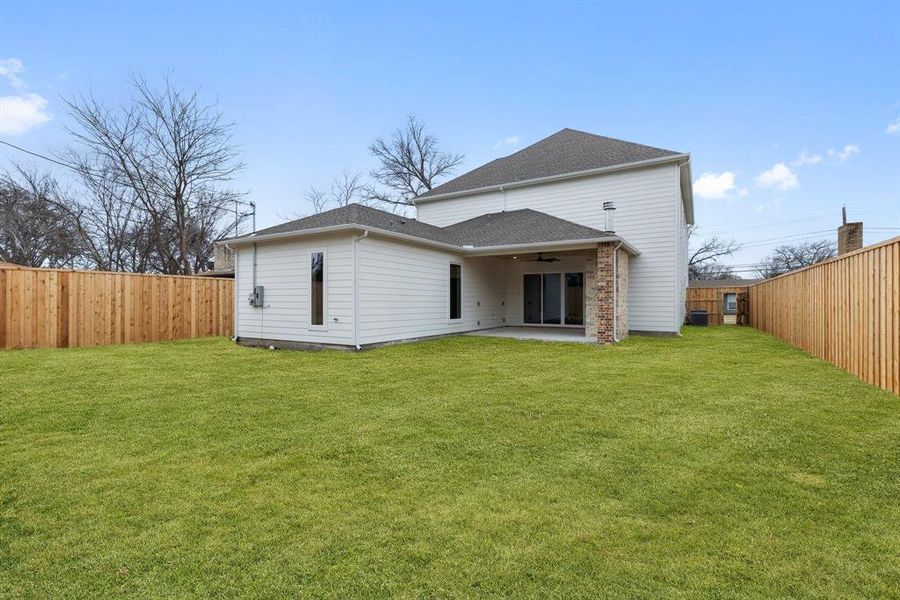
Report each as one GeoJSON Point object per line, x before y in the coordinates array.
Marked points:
{"type": "Point", "coordinates": [540, 258]}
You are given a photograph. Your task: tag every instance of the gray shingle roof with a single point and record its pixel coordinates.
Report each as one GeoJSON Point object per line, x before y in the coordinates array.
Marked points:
{"type": "Point", "coordinates": [524, 226]}
{"type": "Point", "coordinates": [515, 227]}
{"type": "Point", "coordinates": [567, 151]}
{"type": "Point", "coordinates": [357, 214]}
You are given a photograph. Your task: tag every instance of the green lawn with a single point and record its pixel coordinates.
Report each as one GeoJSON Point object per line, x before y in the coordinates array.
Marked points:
{"type": "Point", "coordinates": [720, 464]}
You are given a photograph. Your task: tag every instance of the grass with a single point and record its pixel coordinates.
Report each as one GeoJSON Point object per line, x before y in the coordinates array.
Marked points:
{"type": "Point", "coordinates": [720, 464]}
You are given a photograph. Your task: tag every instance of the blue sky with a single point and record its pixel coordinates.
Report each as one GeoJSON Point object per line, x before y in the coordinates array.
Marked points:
{"type": "Point", "coordinates": [789, 110]}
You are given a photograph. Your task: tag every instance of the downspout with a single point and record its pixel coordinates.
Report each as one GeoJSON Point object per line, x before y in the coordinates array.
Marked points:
{"type": "Point", "coordinates": [615, 269]}
{"type": "Point", "coordinates": [254, 267]}
{"type": "Point", "coordinates": [356, 240]}
{"type": "Point", "coordinates": [234, 254]}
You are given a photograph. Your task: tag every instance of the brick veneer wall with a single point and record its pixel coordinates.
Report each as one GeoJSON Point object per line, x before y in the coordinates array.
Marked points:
{"type": "Point", "coordinates": [603, 307]}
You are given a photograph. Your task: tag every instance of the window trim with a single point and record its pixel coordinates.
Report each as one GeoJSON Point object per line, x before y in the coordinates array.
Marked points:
{"type": "Point", "coordinates": [462, 295]}
{"type": "Point", "coordinates": [309, 296]}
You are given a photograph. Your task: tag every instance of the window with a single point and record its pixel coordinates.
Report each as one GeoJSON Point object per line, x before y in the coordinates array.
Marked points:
{"type": "Point", "coordinates": [317, 288]}
{"type": "Point", "coordinates": [455, 291]}
{"type": "Point", "coordinates": [730, 304]}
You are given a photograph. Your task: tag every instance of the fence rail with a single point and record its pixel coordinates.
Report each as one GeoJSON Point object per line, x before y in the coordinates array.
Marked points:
{"type": "Point", "coordinates": [845, 310]}
{"type": "Point", "coordinates": [50, 308]}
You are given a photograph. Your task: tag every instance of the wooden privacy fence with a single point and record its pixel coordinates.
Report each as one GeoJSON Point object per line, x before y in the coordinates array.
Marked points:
{"type": "Point", "coordinates": [712, 300]}
{"type": "Point", "coordinates": [50, 308]}
{"type": "Point", "coordinates": [845, 310]}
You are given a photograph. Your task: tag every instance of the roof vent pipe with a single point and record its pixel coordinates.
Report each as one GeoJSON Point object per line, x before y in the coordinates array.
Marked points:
{"type": "Point", "coordinates": [609, 208]}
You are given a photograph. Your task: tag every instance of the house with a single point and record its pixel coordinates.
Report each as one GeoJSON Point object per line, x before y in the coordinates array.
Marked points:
{"type": "Point", "coordinates": [528, 240]}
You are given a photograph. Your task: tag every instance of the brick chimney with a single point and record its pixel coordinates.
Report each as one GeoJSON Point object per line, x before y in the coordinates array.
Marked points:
{"type": "Point", "coordinates": [850, 235]}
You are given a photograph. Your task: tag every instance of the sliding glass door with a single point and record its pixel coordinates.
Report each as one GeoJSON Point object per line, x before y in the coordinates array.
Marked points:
{"type": "Point", "coordinates": [553, 299]}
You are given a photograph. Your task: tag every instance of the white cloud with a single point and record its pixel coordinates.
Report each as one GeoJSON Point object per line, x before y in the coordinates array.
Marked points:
{"type": "Point", "coordinates": [714, 187]}
{"type": "Point", "coordinates": [845, 153]}
{"type": "Point", "coordinates": [11, 68]}
{"type": "Point", "coordinates": [742, 193]}
{"type": "Point", "coordinates": [893, 128]}
{"type": "Point", "coordinates": [780, 176]}
{"type": "Point", "coordinates": [20, 113]}
{"type": "Point", "coordinates": [507, 142]}
{"type": "Point", "coordinates": [805, 158]}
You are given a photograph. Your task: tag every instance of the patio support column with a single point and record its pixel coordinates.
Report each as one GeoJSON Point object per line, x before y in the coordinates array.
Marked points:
{"type": "Point", "coordinates": [610, 285]}
{"type": "Point", "coordinates": [604, 306]}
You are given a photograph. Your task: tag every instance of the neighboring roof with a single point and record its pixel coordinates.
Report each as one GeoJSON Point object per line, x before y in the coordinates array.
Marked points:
{"type": "Point", "coordinates": [567, 151]}
{"type": "Point", "coordinates": [722, 283]}
{"type": "Point", "coordinates": [524, 226]}
{"type": "Point", "coordinates": [515, 228]}
{"type": "Point", "coordinates": [224, 274]}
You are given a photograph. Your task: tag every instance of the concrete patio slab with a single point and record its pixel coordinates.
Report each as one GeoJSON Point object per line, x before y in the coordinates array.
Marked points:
{"type": "Point", "coordinates": [546, 334]}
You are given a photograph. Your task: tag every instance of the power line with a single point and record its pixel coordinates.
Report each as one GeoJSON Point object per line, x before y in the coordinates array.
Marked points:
{"type": "Point", "coordinates": [788, 218]}
{"type": "Point", "coordinates": [81, 171]}
{"type": "Point", "coordinates": [53, 160]}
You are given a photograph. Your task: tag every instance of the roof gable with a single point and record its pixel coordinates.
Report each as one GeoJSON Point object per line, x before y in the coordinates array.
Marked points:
{"type": "Point", "coordinates": [567, 151]}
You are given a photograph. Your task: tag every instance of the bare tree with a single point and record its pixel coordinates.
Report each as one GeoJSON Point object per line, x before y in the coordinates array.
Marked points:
{"type": "Point", "coordinates": [789, 257]}
{"type": "Point", "coordinates": [317, 199]}
{"type": "Point", "coordinates": [33, 231]}
{"type": "Point", "coordinates": [711, 270]}
{"type": "Point", "coordinates": [168, 156]}
{"type": "Point", "coordinates": [347, 188]}
{"type": "Point", "coordinates": [703, 262]}
{"type": "Point", "coordinates": [112, 231]}
{"type": "Point", "coordinates": [411, 164]}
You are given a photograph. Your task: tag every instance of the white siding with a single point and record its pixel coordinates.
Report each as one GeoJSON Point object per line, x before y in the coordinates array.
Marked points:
{"type": "Point", "coordinates": [404, 291]}
{"type": "Point", "coordinates": [283, 268]}
{"type": "Point", "coordinates": [647, 216]}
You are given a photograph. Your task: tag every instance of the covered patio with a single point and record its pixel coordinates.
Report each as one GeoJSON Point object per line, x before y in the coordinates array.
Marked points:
{"type": "Point", "coordinates": [562, 292]}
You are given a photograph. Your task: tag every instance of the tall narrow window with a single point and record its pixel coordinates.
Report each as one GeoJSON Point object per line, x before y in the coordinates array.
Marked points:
{"type": "Point", "coordinates": [317, 288]}
{"type": "Point", "coordinates": [455, 291]}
